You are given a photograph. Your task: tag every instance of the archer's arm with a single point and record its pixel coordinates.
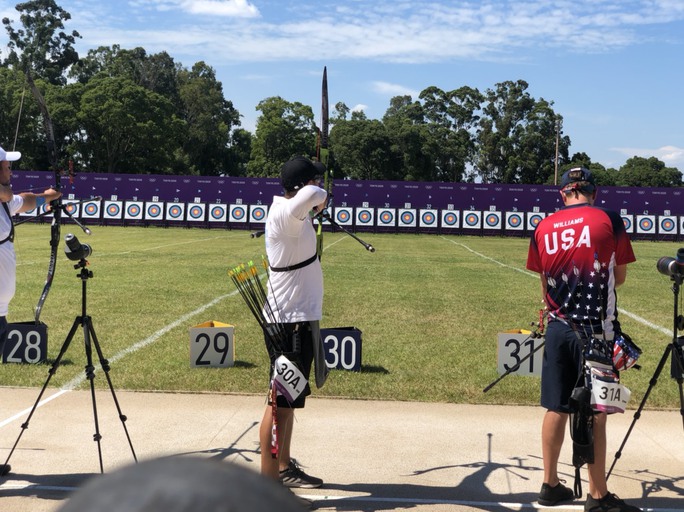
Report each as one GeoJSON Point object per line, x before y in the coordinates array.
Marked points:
{"type": "Point", "coordinates": [31, 200]}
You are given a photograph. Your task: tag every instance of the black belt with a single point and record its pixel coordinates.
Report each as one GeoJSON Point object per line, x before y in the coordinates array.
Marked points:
{"type": "Point", "coordinates": [295, 266]}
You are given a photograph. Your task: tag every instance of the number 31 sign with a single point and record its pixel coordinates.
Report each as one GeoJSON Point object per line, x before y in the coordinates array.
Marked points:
{"type": "Point", "coordinates": [516, 346]}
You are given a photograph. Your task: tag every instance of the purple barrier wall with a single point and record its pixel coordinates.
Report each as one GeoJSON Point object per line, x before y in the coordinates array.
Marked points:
{"type": "Point", "coordinates": [376, 205]}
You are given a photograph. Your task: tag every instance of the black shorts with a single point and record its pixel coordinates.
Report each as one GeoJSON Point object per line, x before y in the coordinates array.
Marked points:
{"type": "Point", "coordinates": [562, 367]}
{"type": "Point", "coordinates": [302, 359]}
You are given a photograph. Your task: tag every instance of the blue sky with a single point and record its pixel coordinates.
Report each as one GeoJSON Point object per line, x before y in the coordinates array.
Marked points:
{"type": "Point", "coordinates": [614, 69]}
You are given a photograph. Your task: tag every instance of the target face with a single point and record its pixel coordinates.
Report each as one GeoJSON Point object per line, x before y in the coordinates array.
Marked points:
{"type": "Point", "coordinates": [645, 224]}
{"type": "Point", "coordinates": [154, 211]}
{"type": "Point", "coordinates": [343, 216]}
{"type": "Point", "coordinates": [407, 218]}
{"type": "Point", "coordinates": [258, 213]}
{"type": "Point", "coordinates": [196, 212]}
{"type": "Point", "coordinates": [471, 219]}
{"type": "Point", "coordinates": [386, 217]}
{"type": "Point", "coordinates": [364, 216]}
{"type": "Point", "coordinates": [428, 218]}
{"type": "Point", "coordinates": [91, 209]}
{"type": "Point", "coordinates": [514, 220]}
{"type": "Point", "coordinates": [217, 213]}
{"type": "Point", "coordinates": [534, 219]}
{"type": "Point", "coordinates": [667, 225]}
{"type": "Point", "coordinates": [450, 219]}
{"type": "Point", "coordinates": [174, 212]}
{"type": "Point", "coordinates": [492, 220]}
{"type": "Point", "coordinates": [628, 222]}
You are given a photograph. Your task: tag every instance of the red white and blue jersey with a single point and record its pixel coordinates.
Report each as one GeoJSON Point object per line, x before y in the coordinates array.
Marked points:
{"type": "Point", "coordinates": [576, 250]}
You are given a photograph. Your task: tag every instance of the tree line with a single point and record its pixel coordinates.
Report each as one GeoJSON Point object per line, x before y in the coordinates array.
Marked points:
{"type": "Point", "coordinates": [127, 111]}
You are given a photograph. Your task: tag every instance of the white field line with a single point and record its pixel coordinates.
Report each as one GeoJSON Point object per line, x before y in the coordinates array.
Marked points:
{"type": "Point", "coordinates": [77, 381]}
{"type": "Point", "coordinates": [639, 319]}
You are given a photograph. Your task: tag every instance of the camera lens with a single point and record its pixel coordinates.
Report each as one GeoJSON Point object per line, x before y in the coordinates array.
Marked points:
{"type": "Point", "coordinates": [74, 249]}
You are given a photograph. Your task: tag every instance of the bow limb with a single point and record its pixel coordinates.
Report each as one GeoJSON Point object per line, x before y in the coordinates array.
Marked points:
{"type": "Point", "coordinates": [57, 204]}
{"type": "Point", "coordinates": [323, 156]}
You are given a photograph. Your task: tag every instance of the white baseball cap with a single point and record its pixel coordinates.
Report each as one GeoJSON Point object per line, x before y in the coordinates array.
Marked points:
{"type": "Point", "coordinates": [10, 156]}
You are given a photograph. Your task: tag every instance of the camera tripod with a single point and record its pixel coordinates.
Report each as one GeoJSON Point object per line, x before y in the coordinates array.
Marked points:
{"type": "Point", "coordinates": [674, 349]}
{"type": "Point", "coordinates": [90, 339]}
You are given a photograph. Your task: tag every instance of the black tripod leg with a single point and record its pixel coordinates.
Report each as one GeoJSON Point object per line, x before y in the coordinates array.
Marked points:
{"type": "Point", "coordinates": [51, 372]}
{"type": "Point", "coordinates": [637, 414]}
{"type": "Point", "coordinates": [90, 375]}
{"type": "Point", "coordinates": [104, 363]}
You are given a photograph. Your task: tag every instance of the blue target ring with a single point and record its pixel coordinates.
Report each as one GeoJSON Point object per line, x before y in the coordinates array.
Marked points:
{"type": "Point", "coordinates": [428, 218]}
{"type": "Point", "coordinates": [217, 212]}
{"type": "Point", "coordinates": [92, 209]}
{"type": "Point", "coordinates": [342, 216]}
{"type": "Point", "coordinates": [196, 212]}
{"type": "Point", "coordinates": [627, 222]}
{"type": "Point", "coordinates": [386, 217]}
{"type": "Point", "coordinates": [667, 225]}
{"type": "Point", "coordinates": [646, 224]}
{"type": "Point", "coordinates": [535, 219]}
{"type": "Point", "coordinates": [238, 213]}
{"type": "Point", "coordinates": [113, 210]}
{"type": "Point", "coordinates": [364, 217]}
{"type": "Point", "coordinates": [407, 217]}
{"type": "Point", "coordinates": [514, 220]}
{"type": "Point", "coordinates": [472, 219]}
{"type": "Point", "coordinates": [258, 213]}
{"type": "Point", "coordinates": [154, 211]}
{"type": "Point", "coordinates": [492, 220]}
{"type": "Point", "coordinates": [175, 212]}
{"type": "Point", "coordinates": [450, 219]}
{"type": "Point", "coordinates": [133, 210]}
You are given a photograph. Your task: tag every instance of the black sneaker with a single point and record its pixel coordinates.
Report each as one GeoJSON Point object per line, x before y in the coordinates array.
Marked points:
{"type": "Point", "coordinates": [293, 476]}
{"type": "Point", "coordinates": [550, 496]}
{"type": "Point", "coordinates": [609, 503]}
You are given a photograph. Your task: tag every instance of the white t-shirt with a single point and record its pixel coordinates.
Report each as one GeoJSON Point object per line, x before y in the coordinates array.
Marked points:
{"type": "Point", "coordinates": [8, 262]}
{"type": "Point", "coordinates": [294, 295]}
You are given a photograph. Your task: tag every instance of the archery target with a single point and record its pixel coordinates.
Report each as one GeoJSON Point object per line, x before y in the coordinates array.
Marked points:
{"type": "Point", "coordinates": [407, 218]}
{"type": "Point", "coordinates": [343, 216]}
{"type": "Point", "coordinates": [681, 225]}
{"type": "Point", "coordinates": [237, 213]}
{"type": "Point", "coordinates": [257, 213]}
{"type": "Point", "coordinates": [72, 209]}
{"type": "Point", "coordinates": [472, 219]}
{"type": "Point", "coordinates": [645, 224]}
{"type": "Point", "coordinates": [450, 219]}
{"type": "Point", "coordinates": [428, 218]}
{"type": "Point", "coordinates": [492, 220]}
{"type": "Point", "coordinates": [154, 211]}
{"type": "Point", "coordinates": [387, 217]}
{"type": "Point", "coordinates": [91, 210]}
{"type": "Point", "coordinates": [533, 219]}
{"type": "Point", "coordinates": [628, 221]}
{"type": "Point", "coordinates": [515, 221]}
{"type": "Point", "coordinates": [196, 212]}
{"type": "Point", "coordinates": [113, 210]}
{"type": "Point", "coordinates": [175, 211]}
{"type": "Point", "coordinates": [667, 225]}
{"type": "Point", "coordinates": [364, 216]}
{"type": "Point", "coordinates": [133, 210]}
{"type": "Point", "coordinates": [218, 213]}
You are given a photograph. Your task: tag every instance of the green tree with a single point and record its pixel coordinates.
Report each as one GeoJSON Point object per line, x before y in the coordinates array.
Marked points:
{"type": "Point", "coordinates": [517, 139]}
{"type": "Point", "coordinates": [452, 117]}
{"type": "Point", "coordinates": [362, 149]}
{"type": "Point", "coordinates": [42, 48]}
{"type": "Point", "coordinates": [283, 130]}
{"type": "Point", "coordinates": [209, 121]}
{"type": "Point", "coordinates": [648, 172]}
{"type": "Point", "coordinates": [127, 128]}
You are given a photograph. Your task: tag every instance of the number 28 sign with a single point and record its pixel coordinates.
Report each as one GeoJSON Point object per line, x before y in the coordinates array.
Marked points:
{"type": "Point", "coordinates": [518, 348]}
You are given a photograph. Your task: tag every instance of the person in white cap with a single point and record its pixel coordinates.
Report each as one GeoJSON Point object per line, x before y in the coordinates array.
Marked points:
{"type": "Point", "coordinates": [11, 205]}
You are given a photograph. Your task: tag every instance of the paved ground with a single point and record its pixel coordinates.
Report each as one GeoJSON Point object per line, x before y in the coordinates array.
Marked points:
{"type": "Point", "coordinates": [373, 456]}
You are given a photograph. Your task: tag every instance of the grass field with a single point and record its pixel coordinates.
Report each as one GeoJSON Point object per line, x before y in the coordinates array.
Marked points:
{"type": "Point", "coordinates": [429, 307]}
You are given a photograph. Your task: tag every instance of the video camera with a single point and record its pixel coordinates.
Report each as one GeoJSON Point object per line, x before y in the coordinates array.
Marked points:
{"type": "Point", "coordinates": [672, 266]}
{"type": "Point", "coordinates": [75, 250]}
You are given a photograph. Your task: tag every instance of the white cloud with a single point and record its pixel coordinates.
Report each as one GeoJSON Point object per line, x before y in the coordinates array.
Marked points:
{"type": "Point", "coordinates": [672, 156]}
{"type": "Point", "coordinates": [360, 107]}
{"type": "Point", "coordinates": [231, 8]}
{"type": "Point", "coordinates": [388, 89]}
